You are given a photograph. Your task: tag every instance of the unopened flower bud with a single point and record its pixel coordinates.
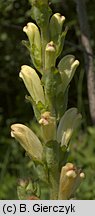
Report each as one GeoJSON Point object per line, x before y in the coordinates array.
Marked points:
{"type": "Point", "coordinates": [23, 182]}
{"type": "Point", "coordinates": [50, 55]}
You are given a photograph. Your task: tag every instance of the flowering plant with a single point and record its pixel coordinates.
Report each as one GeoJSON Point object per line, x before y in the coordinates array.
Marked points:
{"type": "Point", "coordinates": [48, 96]}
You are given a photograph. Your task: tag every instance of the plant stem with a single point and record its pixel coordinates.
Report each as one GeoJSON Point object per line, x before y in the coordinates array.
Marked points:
{"type": "Point", "coordinates": [54, 185]}
{"type": "Point", "coordinates": [53, 173]}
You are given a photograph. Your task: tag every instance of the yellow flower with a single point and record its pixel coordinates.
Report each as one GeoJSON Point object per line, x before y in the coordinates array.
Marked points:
{"type": "Point", "coordinates": [70, 179]}
{"type": "Point", "coordinates": [50, 55]}
{"type": "Point", "coordinates": [32, 83]}
{"type": "Point", "coordinates": [67, 125]}
{"type": "Point", "coordinates": [57, 36]}
{"type": "Point", "coordinates": [48, 127]}
{"type": "Point", "coordinates": [28, 140]}
{"type": "Point", "coordinates": [35, 47]}
{"type": "Point", "coordinates": [56, 24]}
{"type": "Point", "coordinates": [67, 67]}
{"type": "Point", "coordinates": [33, 34]}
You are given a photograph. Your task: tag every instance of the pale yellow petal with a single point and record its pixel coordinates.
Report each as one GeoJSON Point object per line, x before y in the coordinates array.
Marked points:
{"type": "Point", "coordinates": [28, 140]}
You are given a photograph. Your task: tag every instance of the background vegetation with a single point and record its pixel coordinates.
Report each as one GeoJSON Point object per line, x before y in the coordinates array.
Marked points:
{"type": "Point", "coordinates": [14, 14]}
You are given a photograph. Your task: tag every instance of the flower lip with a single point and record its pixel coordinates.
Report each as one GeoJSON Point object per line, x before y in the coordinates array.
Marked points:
{"type": "Point", "coordinates": [12, 131]}
{"type": "Point", "coordinates": [51, 46]}
{"type": "Point", "coordinates": [59, 15]}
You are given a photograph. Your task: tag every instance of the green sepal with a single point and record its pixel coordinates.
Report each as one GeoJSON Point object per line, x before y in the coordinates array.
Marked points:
{"type": "Point", "coordinates": [34, 58]}
{"type": "Point", "coordinates": [36, 61]}
{"type": "Point", "coordinates": [38, 108]}
{"type": "Point", "coordinates": [26, 44]}
{"type": "Point", "coordinates": [21, 193]}
{"type": "Point", "coordinates": [33, 188]}
{"type": "Point", "coordinates": [55, 148]}
{"type": "Point", "coordinates": [60, 43]}
{"type": "Point", "coordinates": [35, 109]}
{"type": "Point", "coordinates": [60, 153]}
{"type": "Point", "coordinates": [34, 54]}
{"type": "Point", "coordinates": [24, 192]}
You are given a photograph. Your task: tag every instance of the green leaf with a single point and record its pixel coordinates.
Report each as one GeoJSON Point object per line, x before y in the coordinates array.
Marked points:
{"type": "Point", "coordinates": [42, 173]}
{"type": "Point", "coordinates": [61, 102]}
{"type": "Point", "coordinates": [21, 192]}
{"type": "Point", "coordinates": [60, 153]}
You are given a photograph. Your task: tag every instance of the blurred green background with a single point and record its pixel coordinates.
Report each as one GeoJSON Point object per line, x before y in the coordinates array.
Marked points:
{"type": "Point", "coordinates": [15, 14]}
